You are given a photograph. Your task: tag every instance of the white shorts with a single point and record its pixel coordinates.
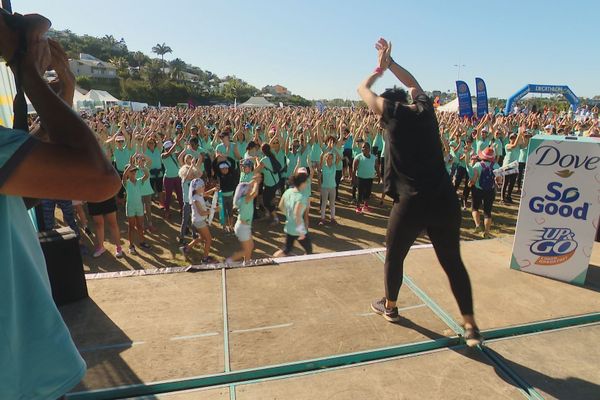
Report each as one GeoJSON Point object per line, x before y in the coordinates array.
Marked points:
{"type": "Point", "coordinates": [242, 231]}
{"type": "Point", "coordinates": [199, 223]}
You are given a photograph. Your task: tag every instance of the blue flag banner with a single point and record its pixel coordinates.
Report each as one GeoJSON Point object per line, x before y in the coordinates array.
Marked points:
{"type": "Point", "coordinates": [482, 99]}
{"type": "Point", "coordinates": [465, 107]}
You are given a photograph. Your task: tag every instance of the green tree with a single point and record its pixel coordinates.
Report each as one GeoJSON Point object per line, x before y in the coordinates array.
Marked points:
{"type": "Point", "coordinates": [161, 50]}
{"type": "Point", "coordinates": [236, 88]}
{"type": "Point", "coordinates": [177, 68]}
{"type": "Point", "coordinates": [122, 66]}
{"type": "Point", "coordinates": [153, 72]}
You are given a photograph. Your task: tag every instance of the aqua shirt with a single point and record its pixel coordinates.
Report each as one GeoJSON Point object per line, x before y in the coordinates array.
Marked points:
{"type": "Point", "coordinates": [315, 153]}
{"type": "Point", "coordinates": [171, 166]}
{"type": "Point", "coordinates": [383, 147]}
{"type": "Point", "coordinates": [38, 358]}
{"type": "Point", "coordinates": [121, 157]}
{"type": "Point", "coordinates": [523, 154]}
{"type": "Point", "coordinates": [146, 189]}
{"type": "Point", "coordinates": [155, 159]}
{"type": "Point", "coordinates": [280, 156]}
{"type": "Point", "coordinates": [328, 176]}
{"type": "Point", "coordinates": [306, 192]}
{"type": "Point", "coordinates": [366, 166]}
{"type": "Point", "coordinates": [348, 142]}
{"type": "Point", "coordinates": [356, 151]}
{"type": "Point", "coordinates": [304, 156]}
{"type": "Point", "coordinates": [242, 146]}
{"type": "Point", "coordinates": [290, 198]}
{"type": "Point", "coordinates": [134, 192]}
{"type": "Point", "coordinates": [270, 178]}
{"type": "Point", "coordinates": [378, 141]}
{"type": "Point", "coordinates": [245, 210]}
{"type": "Point", "coordinates": [244, 177]}
{"type": "Point", "coordinates": [292, 161]}
{"type": "Point", "coordinates": [339, 152]}
{"type": "Point", "coordinates": [511, 155]}
{"type": "Point", "coordinates": [480, 145]}
{"type": "Point", "coordinates": [221, 148]}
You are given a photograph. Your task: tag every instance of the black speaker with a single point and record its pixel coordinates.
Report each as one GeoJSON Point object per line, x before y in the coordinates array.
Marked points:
{"type": "Point", "coordinates": [64, 264]}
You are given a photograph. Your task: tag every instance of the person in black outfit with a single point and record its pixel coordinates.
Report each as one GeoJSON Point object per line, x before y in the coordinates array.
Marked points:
{"type": "Point", "coordinates": [416, 179]}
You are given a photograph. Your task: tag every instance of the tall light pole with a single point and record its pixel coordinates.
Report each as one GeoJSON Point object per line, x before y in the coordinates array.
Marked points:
{"type": "Point", "coordinates": [459, 65]}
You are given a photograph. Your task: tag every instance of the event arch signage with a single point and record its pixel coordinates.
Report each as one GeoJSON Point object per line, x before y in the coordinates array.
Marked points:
{"type": "Point", "coordinates": [547, 89]}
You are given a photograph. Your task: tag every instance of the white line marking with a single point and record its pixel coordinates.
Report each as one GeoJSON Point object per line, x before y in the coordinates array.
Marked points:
{"type": "Point", "coordinates": [111, 346]}
{"type": "Point", "coordinates": [200, 335]}
{"type": "Point", "coordinates": [400, 309]}
{"type": "Point", "coordinates": [262, 328]}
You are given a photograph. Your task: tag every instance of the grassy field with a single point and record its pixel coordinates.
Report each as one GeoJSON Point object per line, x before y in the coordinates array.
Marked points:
{"type": "Point", "coordinates": [353, 232]}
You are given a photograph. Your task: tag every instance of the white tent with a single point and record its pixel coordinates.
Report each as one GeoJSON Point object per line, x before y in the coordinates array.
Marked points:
{"type": "Point", "coordinates": [453, 106]}
{"type": "Point", "coordinates": [257, 102]}
{"type": "Point", "coordinates": [100, 95]}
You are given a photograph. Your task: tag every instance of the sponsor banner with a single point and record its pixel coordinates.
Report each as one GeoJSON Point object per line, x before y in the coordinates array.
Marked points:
{"type": "Point", "coordinates": [465, 107]}
{"type": "Point", "coordinates": [482, 98]}
{"type": "Point", "coordinates": [560, 208]}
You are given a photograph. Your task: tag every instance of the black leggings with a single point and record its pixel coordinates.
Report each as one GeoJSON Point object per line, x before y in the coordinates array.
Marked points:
{"type": "Point", "coordinates": [269, 197]}
{"type": "Point", "coordinates": [289, 244]}
{"type": "Point", "coordinates": [440, 215]}
{"type": "Point", "coordinates": [521, 175]}
{"type": "Point", "coordinates": [508, 186]}
{"type": "Point", "coordinates": [461, 173]}
{"type": "Point", "coordinates": [365, 186]}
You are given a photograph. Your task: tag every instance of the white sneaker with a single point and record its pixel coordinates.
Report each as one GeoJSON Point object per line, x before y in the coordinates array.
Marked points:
{"type": "Point", "coordinates": [99, 252]}
{"type": "Point", "coordinates": [119, 253]}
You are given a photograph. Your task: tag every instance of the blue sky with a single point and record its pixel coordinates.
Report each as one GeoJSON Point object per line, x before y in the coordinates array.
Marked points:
{"type": "Point", "coordinates": [323, 49]}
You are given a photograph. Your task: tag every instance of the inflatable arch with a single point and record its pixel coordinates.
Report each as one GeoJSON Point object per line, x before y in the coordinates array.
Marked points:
{"type": "Point", "coordinates": [548, 89]}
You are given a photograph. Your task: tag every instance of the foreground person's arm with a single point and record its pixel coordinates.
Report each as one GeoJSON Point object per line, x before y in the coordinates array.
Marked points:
{"type": "Point", "coordinates": [73, 166]}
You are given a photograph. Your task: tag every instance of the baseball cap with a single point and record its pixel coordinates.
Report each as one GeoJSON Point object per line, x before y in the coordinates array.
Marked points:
{"type": "Point", "coordinates": [167, 145]}
{"type": "Point", "coordinates": [247, 162]}
{"type": "Point", "coordinates": [224, 164]}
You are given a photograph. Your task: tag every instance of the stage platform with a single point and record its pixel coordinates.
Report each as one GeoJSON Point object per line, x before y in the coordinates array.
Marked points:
{"type": "Point", "coordinates": [304, 330]}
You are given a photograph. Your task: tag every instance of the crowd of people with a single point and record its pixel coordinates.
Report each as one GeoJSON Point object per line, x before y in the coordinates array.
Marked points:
{"type": "Point", "coordinates": [269, 163]}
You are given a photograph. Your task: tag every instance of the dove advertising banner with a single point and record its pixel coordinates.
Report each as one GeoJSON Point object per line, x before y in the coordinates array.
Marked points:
{"type": "Point", "coordinates": [560, 207]}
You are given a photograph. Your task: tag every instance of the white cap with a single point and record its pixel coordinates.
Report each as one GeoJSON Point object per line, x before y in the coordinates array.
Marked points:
{"type": "Point", "coordinates": [167, 145]}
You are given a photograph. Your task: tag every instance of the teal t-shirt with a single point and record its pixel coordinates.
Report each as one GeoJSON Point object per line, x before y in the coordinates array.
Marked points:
{"type": "Point", "coordinates": [280, 156]}
{"type": "Point", "coordinates": [328, 176]}
{"type": "Point", "coordinates": [511, 155]}
{"type": "Point", "coordinates": [121, 157]}
{"type": "Point", "coordinates": [292, 161]}
{"type": "Point", "coordinates": [291, 197]}
{"type": "Point", "coordinates": [315, 153]}
{"type": "Point", "coordinates": [242, 146]}
{"type": "Point", "coordinates": [245, 210]}
{"type": "Point", "coordinates": [340, 152]}
{"type": "Point", "coordinates": [134, 192]}
{"type": "Point", "coordinates": [378, 141]}
{"type": "Point", "coordinates": [146, 189]}
{"type": "Point", "coordinates": [522, 153]}
{"type": "Point", "coordinates": [270, 177]}
{"type": "Point", "coordinates": [171, 166]}
{"type": "Point", "coordinates": [366, 166]}
{"type": "Point", "coordinates": [38, 358]}
{"type": "Point", "coordinates": [348, 142]}
{"type": "Point", "coordinates": [304, 156]}
{"type": "Point", "coordinates": [155, 159]}
{"type": "Point", "coordinates": [221, 148]}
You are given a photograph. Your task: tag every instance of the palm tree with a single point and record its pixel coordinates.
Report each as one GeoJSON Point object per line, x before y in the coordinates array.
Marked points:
{"type": "Point", "coordinates": [161, 50]}
{"type": "Point", "coordinates": [177, 67]}
{"type": "Point", "coordinates": [139, 58]}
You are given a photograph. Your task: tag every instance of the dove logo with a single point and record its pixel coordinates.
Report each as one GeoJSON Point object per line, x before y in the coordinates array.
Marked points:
{"type": "Point", "coordinates": [554, 246]}
{"type": "Point", "coordinates": [551, 156]}
{"type": "Point", "coordinates": [560, 202]}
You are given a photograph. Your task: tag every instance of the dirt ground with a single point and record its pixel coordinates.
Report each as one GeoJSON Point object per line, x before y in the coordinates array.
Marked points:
{"type": "Point", "coordinates": [353, 232]}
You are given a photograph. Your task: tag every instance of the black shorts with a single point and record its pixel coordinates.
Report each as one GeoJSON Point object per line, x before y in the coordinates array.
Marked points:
{"type": "Point", "coordinates": [347, 158]}
{"type": "Point", "coordinates": [486, 197]}
{"type": "Point", "coordinates": [103, 208]}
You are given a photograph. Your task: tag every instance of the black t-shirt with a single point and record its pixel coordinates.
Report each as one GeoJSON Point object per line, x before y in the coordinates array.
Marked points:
{"type": "Point", "coordinates": [414, 158]}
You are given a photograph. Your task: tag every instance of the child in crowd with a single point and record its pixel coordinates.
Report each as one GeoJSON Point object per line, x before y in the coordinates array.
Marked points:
{"type": "Point", "coordinates": [293, 205]}
{"type": "Point", "coordinates": [188, 172]}
{"type": "Point", "coordinates": [134, 208]}
{"type": "Point", "coordinates": [200, 213]}
{"type": "Point", "coordinates": [243, 199]}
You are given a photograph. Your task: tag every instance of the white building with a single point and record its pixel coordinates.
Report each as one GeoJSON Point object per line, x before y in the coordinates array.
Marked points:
{"type": "Point", "coordinates": [92, 67]}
